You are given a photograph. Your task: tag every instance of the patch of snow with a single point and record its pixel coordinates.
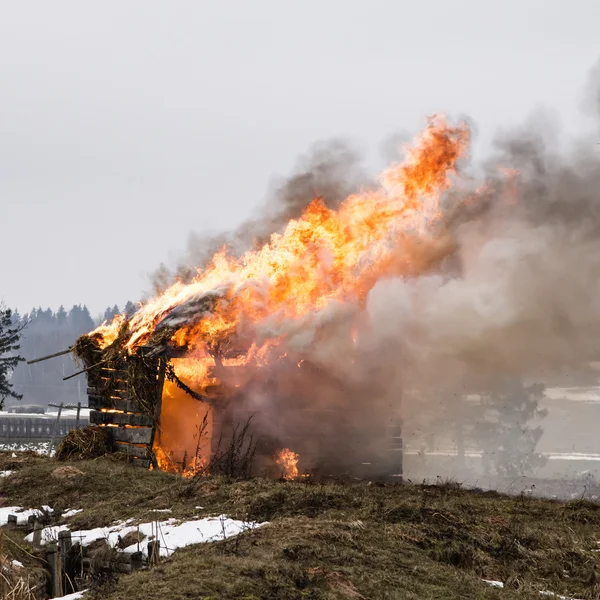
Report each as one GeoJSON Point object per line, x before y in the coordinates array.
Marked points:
{"type": "Point", "coordinates": [574, 394]}
{"type": "Point", "coordinates": [13, 455]}
{"type": "Point", "coordinates": [6, 473]}
{"type": "Point", "coordinates": [17, 563]}
{"type": "Point", "coordinates": [172, 533]}
{"type": "Point", "coordinates": [71, 512]}
{"type": "Point", "coordinates": [84, 413]}
{"type": "Point", "coordinates": [499, 584]}
{"type": "Point", "coordinates": [165, 510]}
{"type": "Point", "coordinates": [38, 447]}
{"type": "Point", "coordinates": [74, 596]}
{"type": "Point", "coordinates": [22, 515]}
{"type": "Point", "coordinates": [553, 595]}
{"type": "Point", "coordinates": [567, 456]}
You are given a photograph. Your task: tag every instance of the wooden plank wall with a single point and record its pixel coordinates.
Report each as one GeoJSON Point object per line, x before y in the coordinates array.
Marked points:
{"type": "Point", "coordinates": [131, 426]}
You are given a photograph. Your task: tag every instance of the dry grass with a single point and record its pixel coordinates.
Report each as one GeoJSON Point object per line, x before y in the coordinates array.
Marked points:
{"type": "Point", "coordinates": [332, 540]}
{"type": "Point", "coordinates": [19, 582]}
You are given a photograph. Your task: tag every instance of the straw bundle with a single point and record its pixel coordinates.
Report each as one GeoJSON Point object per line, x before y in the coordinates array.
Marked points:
{"type": "Point", "coordinates": [80, 444]}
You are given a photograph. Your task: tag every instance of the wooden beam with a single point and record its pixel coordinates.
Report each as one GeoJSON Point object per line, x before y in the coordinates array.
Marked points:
{"type": "Point", "coordinates": [99, 392]}
{"type": "Point", "coordinates": [109, 418]}
{"type": "Point", "coordinates": [97, 402]}
{"type": "Point", "coordinates": [133, 435]}
{"type": "Point", "coordinates": [42, 358]}
{"type": "Point", "coordinates": [86, 369]}
{"type": "Point", "coordinates": [162, 368]}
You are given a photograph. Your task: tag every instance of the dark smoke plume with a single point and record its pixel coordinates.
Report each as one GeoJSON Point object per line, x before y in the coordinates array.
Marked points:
{"type": "Point", "coordinates": [517, 296]}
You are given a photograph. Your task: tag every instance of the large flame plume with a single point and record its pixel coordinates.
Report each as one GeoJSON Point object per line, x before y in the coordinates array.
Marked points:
{"type": "Point", "coordinates": [326, 256]}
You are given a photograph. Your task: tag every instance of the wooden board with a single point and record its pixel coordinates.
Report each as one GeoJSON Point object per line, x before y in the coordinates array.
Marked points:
{"type": "Point", "coordinates": [135, 435]}
{"type": "Point", "coordinates": [118, 393]}
{"type": "Point", "coordinates": [113, 373]}
{"type": "Point", "coordinates": [109, 418]}
{"type": "Point", "coordinates": [97, 402]}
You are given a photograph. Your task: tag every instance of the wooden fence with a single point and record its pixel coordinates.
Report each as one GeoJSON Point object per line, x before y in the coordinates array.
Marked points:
{"type": "Point", "coordinates": [15, 426]}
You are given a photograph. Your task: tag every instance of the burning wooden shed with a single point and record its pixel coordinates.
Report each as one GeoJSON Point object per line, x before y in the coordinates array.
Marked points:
{"type": "Point", "coordinates": [144, 398]}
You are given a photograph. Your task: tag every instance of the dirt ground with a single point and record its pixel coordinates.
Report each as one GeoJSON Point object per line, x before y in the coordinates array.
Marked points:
{"type": "Point", "coordinates": [323, 540]}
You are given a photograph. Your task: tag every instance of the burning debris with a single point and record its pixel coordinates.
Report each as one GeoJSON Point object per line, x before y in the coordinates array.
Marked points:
{"type": "Point", "coordinates": [288, 461]}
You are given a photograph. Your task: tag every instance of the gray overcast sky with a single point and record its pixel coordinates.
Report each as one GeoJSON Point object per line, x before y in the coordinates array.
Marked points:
{"type": "Point", "coordinates": [124, 125]}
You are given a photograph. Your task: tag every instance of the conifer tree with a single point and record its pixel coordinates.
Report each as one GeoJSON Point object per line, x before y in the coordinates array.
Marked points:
{"type": "Point", "coordinates": [10, 332]}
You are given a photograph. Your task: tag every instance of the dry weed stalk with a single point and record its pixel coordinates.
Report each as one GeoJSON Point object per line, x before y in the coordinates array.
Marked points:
{"type": "Point", "coordinates": [235, 460]}
{"type": "Point", "coordinates": [12, 585]}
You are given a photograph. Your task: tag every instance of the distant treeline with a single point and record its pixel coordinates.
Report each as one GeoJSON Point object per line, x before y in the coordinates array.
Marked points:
{"type": "Point", "coordinates": [47, 332]}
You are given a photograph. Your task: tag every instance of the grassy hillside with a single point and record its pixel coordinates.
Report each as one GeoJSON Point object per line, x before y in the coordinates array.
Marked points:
{"type": "Point", "coordinates": [325, 540]}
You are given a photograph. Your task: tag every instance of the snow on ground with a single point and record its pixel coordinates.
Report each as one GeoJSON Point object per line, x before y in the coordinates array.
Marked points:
{"type": "Point", "coordinates": [71, 512]}
{"type": "Point", "coordinates": [74, 596]}
{"type": "Point", "coordinates": [553, 595]}
{"type": "Point", "coordinates": [499, 584]}
{"type": "Point", "coordinates": [6, 473]}
{"type": "Point", "coordinates": [172, 533]}
{"type": "Point", "coordinates": [22, 514]}
{"type": "Point", "coordinates": [66, 413]}
{"type": "Point", "coordinates": [574, 394]}
{"type": "Point", "coordinates": [549, 455]}
{"type": "Point", "coordinates": [39, 447]}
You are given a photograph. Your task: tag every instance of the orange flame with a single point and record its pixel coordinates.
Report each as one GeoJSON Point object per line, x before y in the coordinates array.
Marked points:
{"type": "Point", "coordinates": [288, 460]}
{"type": "Point", "coordinates": [322, 257]}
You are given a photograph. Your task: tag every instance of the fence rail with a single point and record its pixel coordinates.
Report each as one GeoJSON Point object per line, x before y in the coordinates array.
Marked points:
{"type": "Point", "coordinates": [42, 427]}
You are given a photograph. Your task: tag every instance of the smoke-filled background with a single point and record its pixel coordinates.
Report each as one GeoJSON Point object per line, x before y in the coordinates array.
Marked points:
{"type": "Point", "coordinates": [508, 295]}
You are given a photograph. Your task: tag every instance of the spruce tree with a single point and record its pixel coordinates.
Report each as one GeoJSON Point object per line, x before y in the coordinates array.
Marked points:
{"type": "Point", "coordinates": [10, 332]}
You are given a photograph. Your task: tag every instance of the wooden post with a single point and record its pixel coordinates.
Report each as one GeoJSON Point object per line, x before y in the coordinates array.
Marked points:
{"type": "Point", "coordinates": [52, 437]}
{"type": "Point", "coordinates": [65, 544]}
{"type": "Point", "coordinates": [53, 558]}
{"type": "Point", "coordinates": [64, 541]}
{"type": "Point", "coordinates": [78, 413]}
{"type": "Point", "coordinates": [137, 561]}
{"type": "Point", "coordinates": [37, 534]}
{"type": "Point", "coordinates": [153, 552]}
{"type": "Point", "coordinates": [162, 367]}
{"type": "Point", "coordinates": [11, 522]}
